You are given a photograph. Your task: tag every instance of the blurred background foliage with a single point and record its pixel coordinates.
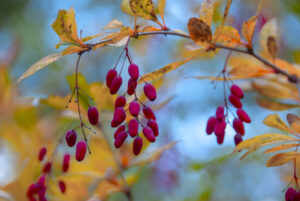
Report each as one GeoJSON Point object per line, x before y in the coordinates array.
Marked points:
{"type": "Point", "coordinates": [196, 168]}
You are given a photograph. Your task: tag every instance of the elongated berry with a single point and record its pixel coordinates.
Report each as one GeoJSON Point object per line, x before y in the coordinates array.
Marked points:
{"type": "Point", "coordinates": [120, 102]}
{"type": "Point", "coordinates": [150, 91]}
{"type": "Point", "coordinates": [131, 86]}
{"type": "Point", "coordinates": [133, 127]}
{"type": "Point", "coordinates": [41, 180]}
{"type": "Point", "coordinates": [42, 153]}
{"type": "Point", "coordinates": [120, 139]}
{"type": "Point", "coordinates": [66, 162]}
{"type": "Point", "coordinates": [153, 125]}
{"type": "Point", "coordinates": [115, 85]}
{"type": "Point", "coordinates": [62, 186]}
{"type": "Point", "coordinates": [237, 139]}
{"type": "Point", "coordinates": [148, 133]}
{"type": "Point", "coordinates": [80, 151]}
{"type": "Point", "coordinates": [297, 196]}
{"type": "Point", "coordinates": [118, 131]}
{"type": "Point", "coordinates": [133, 71]}
{"type": "Point", "coordinates": [290, 194]}
{"type": "Point", "coordinates": [137, 145]}
{"type": "Point", "coordinates": [210, 126]}
{"type": "Point", "coordinates": [148, 113]}
{"type": "Point", "coordinates": [71, 137]}
{"type": "Point", "coordinates": [47, 167]}
{"type": "Point", "coordinates": [119, 117]}
{"type": "Point", "coordinates": [134, 108]}
{"type": "Point", "coordinates": [93, 115]}
{"type": "Point", "coordinates": [220, 138]}
{"type": "Point", "coordinates": [220, 113]}
{"type": "Point", "coordinates": [243, 116]}
{"type": "Point", "coordinates": [237, 91]}
{"type": "Point", "coordinates": [220, 127]}
{"type": "Point", "coordinates": [235, 101]}
{"type": "Point", "coordinates": [238, 126]}
{"type": "Point", "coordinates": [110, 76]}
{"type": "Point", "coordinates": [32, 189]}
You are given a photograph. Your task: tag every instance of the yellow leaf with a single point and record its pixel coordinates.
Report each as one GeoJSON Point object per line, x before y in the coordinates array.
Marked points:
{"type": "Point", "coordinates": [262, 140]}
{"type": "Point", "coordinates": [249, 71]}
{"type": "Point", "coordinates": [101, 96]}
{"type": "Point", "coordinates": [281, 147]}
{"type": "Point", "coordinates": [274, 105]}
{"type": "Point", "coordinates": [272, 46]}
{"type": "Point", "coordinates": [294, 122]}
{"type": "Point", "coordinates": [114, 24]}
{"type": "Point", "coordinates": [40, 65]}
{"type": "Point", "coordinates": [227, 35]}
{"type": "Point", "coordinates": [287, 67]}
{"type": "Point", "coordinates": [199, 31]}
{"type": "Point", "coordinates": [160, 72]}
{"type": "Point", "coordinates": [282, 158]}
{"type": "Point", "coordinates": [91, 37]}
{"type": "Point", "coordinates": [161, 9]}
{"type": "Point", "coordinates": [73, 49]}
{"type": "Point", "coordinates": [269, 29]}
{"type": "Point", "coordinates": [65, 27]}
{"type": "Point", "coordinates": [272, 90]}
{"type": "Point", "coordinates": [273, 120]}
{"type": "Point", "coordinates": [206, 12]}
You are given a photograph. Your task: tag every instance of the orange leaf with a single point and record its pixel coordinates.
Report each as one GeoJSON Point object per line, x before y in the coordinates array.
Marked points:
{"type": "Point", "coordinates": [274, 105]}
{"type": "Point", "coordinates": [281, 147]}
{"type": "Point", "coordinates": [199, 31]}
{"type": "Point", "coordinates": [248, 71]}
{"type": "Point", "coordinates": [282, 158]}
{"type": "Point", "coordinates": [294, 122]}
{"type": "Point", "coordinates": [227, 35]}
{"type": "Point", "coordinates": [272, 90]}
{"type": "Point", "coordinates": [206, 12]}
{"type": "Point", "coordinates": [161, 9]}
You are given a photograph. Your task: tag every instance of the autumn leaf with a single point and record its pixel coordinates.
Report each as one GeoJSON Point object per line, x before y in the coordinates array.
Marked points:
{"type": "Point", "coordinates": [281, 147]}
{"type": "Point", "coordinates": [274, 105]}
{"type": "Point", "coordinates": [248, 71]}
{"type": "Point", "coordinates": [273, 120]}
{"type": "Point", "coordinates": [91, 37]}
{"type": "Point", "coordinates": [161, 10]}
{"type": "Point", "coordinates": [206, 12]}
{"type": "Point", "coordinates": [199, 31]}
{"type": "Point", "coordinates": [125, 7]}
{"type": "Point", "coordinates": [227, 35]}
{"type": "Point", "coordinates": [66, 28]}
{"type": "Point", "coordinates": [282, 158]}
{"type": "Point", "coordinates": [272, 90]}
{"type": "Point", "coordinates": [272, 46]}
{"type": "Point", "coordinates": [294, 122]}
{"type": "Point", "coordinates": [73, 49]}
{"type": "Point", "coordinates": [270, 29]}
{"type": "Point", "coordinates": [114, 24]}
{"type": "Point", "coordinates": [40, 65]}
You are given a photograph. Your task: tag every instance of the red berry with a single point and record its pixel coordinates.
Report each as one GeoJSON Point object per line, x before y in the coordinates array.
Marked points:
{"type": "Point", "coordinates": [93, 115]}
{"type": "Point", "coordinates": [210, 126]}
{"type": "Point", "coordinates": [238, 126]}
{"type": "Point", "coordinates": [41, 181]}
{"type": "Point", "coordinates": [120, 102]}
{"type": "Point", "coordinates": [235, 101]}
{"type": "Point", "coordinates": [150, 91]}
{"type": "Point", "coordinates": [133, 127]}
{"type": "Point", "coordinates": [220, 138]}
{"type": "Point", "coordinates": [32, 189]}
{"type": "Point", "coordinates": [297, 196]}
{"type": "Point", "coordinates": [243, 116]}
{"type": "Point", "coordinates": [71, 138]}
{"type": "Point", "coordinates": [290, 194]}
{"type": "Point", "coordinates": [137, 145]}
{"type": "Point", "coordinates": [115, 85]}
{"type": "Point", "coordinates": [120, 139]}
{"type": "Point", "coordinates": [80, 151]}
{"type": "Point", "coordinates": [220, 113]}
{"type": "Point", "coordinates": [133, 71]}
{"type": "Point", "coordinates": [220, 127]}
{"type": "Point", "coordinates": [237, 91]}
{"type": "Point", "coordinates": [42, 193]}
{"type": "Point", "coordinates": [148, 113]}
{"type": "Point", "coordinates": [119, 130]}
{"type": "Point", "coordinates": [47, 167]}
{"type": "Point", "coordinates": [153, 125]}
{"type": "Point", "coordinates": [131, 86]}
{"type": "Point", "coordinates": [148, 133]}
{"type": "Point", "coordinates": [66, 161]}
{"type": "Point", "coordinates": [42, 153]}
{"type": "Point", "coordinates": [119, 117]}
{"type": "Point", "coordinates": [237, 139]}
{"type": "Point", "coordinates": [32, 199]}
{"type": "Point", "coordinates": [110, 76]}
{"type": "Point", "coordinates": [62, 186]}
{"type": "Point", "coordinates": [134, 108]}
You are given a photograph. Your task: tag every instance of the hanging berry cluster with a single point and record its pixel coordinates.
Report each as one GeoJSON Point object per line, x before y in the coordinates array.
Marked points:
{"type": "Point", "coordinates": [131, 128]}
{"type": "Point", "coordinates": [217, 123]}
{"type": "Point", "coordinates": [292, 195]}
{"type": "Point", "coordinates": [37, 191]}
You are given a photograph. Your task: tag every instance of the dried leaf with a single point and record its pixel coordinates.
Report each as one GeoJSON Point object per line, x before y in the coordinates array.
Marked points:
{"type": "Point", "coordinates": [125, 7]}
{"type": "Point", "coordinates": [114, 24]}
{"type": "Point", "coordinates": [272, 46]}
{"type": "Point", "coordinates": [281, 147]}
{"type": "Point", "coordinates": [40, 65]}
{"type": "Point", "coordinates": [199, 31]}
{"type": "Point", "coordinates": [227, 35]}
{"type": "Point", "coordinates": [294, 122]}
{"type": "Point", "coordinates": [206, 12]}
{"type": "Point", "coordinates": [91, 37]}
{"type": "Point", "coordinates": [162, 71]}
{"type": "Point", "coordinates": [261, 140]}
{"type": "Point", "coordinates": [249, 71]}
{"type": "Point", "coordinates": [274, 121]}
{"type": "Point", "coordinates": [282, 158]}
{"type": "Point", "coordinates": [161, 10]}
{"type": "Point", "coordinates": [274, 105]}
{"type": "Point", "coordinates": [272, 90]}
{"type": "Point", "coordinates": [270, 29]}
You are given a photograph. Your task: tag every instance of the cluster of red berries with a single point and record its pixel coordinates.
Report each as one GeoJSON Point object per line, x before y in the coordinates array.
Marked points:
{"type": "Point", "coordinates": [292, 195]}
{"type": "Point", "coordinates": [37, 191]}
{"type": "Point", "coordinates": [217, 123]}
{"type": "Point", "coordinates": [150, 130]}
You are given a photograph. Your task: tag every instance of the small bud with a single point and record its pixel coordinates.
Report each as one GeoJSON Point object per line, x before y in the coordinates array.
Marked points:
{"type": "Point", "coordinates": [93, 115]}
{"type": "Point", "coordinates": [66, 161]}
{"type": "Point", "coordinates": [120, 102]}
{"type": "Point", "coordinates": [137, 145]}
{"type": "Point", "coordinates": [133, 71]}
{"type": "Point", "coordinates": [237, 91]}
{"type": "Point", "coordinates": [237, 139]}
{"type": "Point", "coordinates": [134, 108]}
{"type": "Point", "coordinates": [118, 131]}
{"type": "Point", "coordinates": [131, 86]}
{"type": "Point", "coordinates": [110, 76]}
{"type": "Point", "coordinates": [42, 153]}
{"type": "Point", "coordinates": [47, 167]}
{"type": "Point", "coordinates": [80, 151]}
{"type": "Point", "coordinates": [148, 133]}
{"type": "Point", "coordinates": [210, 126]}
{"type": "Point", "coordinates": [115, 85]}
{"type": "Point", "coordinates": [71, 137]}
{"type": "Point", "coordinates": [153, 125]}
{"type": "Point", "coordinates": [235, 101]}
{"type": "Point", "coordinates": [120, 139]}
{"type": "Point", "coordinates": [148, 113]}
{"type": "Point", "coordinates": [238, 126]}
{"type": "Point", "coordinates": [62, 186]}
{"type": "Point", "coordinates": [150, 91]}
{"type": "Point", "coordinates": [119, 117]}
{"type": "Point", "coordinates": [243, 116]}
